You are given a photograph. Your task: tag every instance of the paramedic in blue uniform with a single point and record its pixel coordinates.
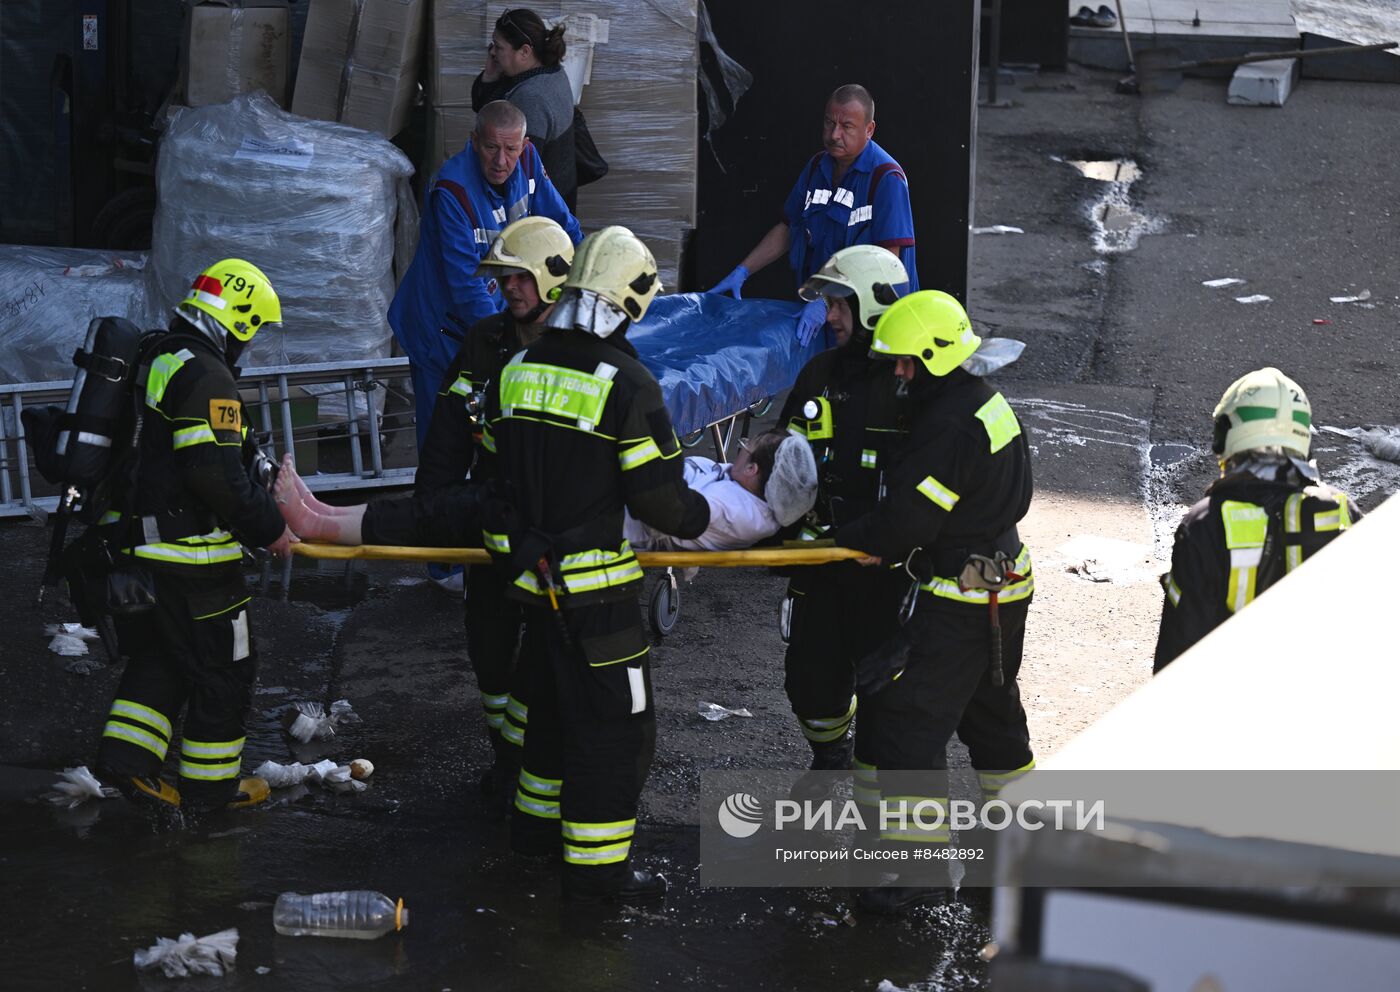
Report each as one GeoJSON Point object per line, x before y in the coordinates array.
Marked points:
{"type": "Point", "coordinates": [853, 193]}
{"type": "Point", "coordinates": [496, 179]}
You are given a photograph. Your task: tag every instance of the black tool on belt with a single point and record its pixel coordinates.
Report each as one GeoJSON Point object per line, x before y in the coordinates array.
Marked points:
{"type": "Point", "coordinates": [993, 574]}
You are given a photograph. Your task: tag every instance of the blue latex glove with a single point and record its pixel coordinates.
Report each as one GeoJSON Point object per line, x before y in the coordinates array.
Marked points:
{"type": "Point", "coordinates": [810, 321]}
{"type": "Point", "coordinates": [731, 283]}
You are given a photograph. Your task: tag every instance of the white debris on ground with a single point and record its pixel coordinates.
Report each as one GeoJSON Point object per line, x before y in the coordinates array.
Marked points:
{"type": "Point", "coordinates": [1360, 461]}
{"type": "Point", "coordinates": [76, 786]}
{"type": "Point", "coordinates": [1256, 298]}
{"type": "Point", "coordinates": [1360, 297]}
{"type": "Point", "coordinates": [190, 955]}
{"type": "Point", "coordinates": [1108, 559]}
{"type": "Point", "coordinates": [998, 229]}
{"type": "Point", "coordinates": [312, 722]}
{"type": "Point", "coordinates": [69, 640]}
{"type": "Point", "coordinates": [714, 711]}
{"type": "Point", "coordinates": [328, 773]}
{"type": "Point", "coordinates": [1221, 283]}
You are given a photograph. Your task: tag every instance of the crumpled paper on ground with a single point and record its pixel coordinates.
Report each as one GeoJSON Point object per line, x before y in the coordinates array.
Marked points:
{"type": "Point", "coordinates": [76, 786]}
{"type": "Point", "coordinates": [314, 723]}
{"type": "Point", "coordinates": [327, 773]}
{"type": "Point", "coordinates": [191, 955]}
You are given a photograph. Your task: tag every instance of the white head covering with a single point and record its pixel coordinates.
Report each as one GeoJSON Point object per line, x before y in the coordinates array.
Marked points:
{"type": "Point", "coordinates": [791, 489]}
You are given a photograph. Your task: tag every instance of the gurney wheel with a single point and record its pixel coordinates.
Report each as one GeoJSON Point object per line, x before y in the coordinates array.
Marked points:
{"type": "Point", "coordinates": [665, 607]}
{"type": "Point", "coordinates": [691, 440]}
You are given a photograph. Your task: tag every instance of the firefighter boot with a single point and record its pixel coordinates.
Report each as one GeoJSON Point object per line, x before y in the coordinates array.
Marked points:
{"type": "Point", "coordinates": [827, 757]}
{"type": "Point", "coordinates": [154, 791]}
{"type": "Point", "coordinates": [888, 900]}
{"type": "Point", "coordinates": [499, 781]}
{"type": "Point", "coordinates": [638, 886]}
{"type": "Point", "coordinates": [251, 791]}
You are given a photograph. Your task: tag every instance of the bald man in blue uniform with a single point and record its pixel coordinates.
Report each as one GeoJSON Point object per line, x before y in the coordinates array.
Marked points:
{"type": "Point", "coordinates": [853, 193]}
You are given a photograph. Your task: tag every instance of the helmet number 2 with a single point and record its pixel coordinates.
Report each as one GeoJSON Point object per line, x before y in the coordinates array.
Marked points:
{"type": "Point", "coordinates": [239, 285]}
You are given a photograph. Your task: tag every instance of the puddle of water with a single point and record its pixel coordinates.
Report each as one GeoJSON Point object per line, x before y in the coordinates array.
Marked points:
{"type": "Point", "coordinates": [1166, 455]}
{"type": "Point", "coordinates": [1117, 224]}
{"type": "Point", "coordinates": [1118, 170]}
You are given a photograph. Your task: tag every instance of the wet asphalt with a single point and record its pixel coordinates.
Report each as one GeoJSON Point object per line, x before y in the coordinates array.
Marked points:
{"type": "Point", "coordinates": [93, 885]}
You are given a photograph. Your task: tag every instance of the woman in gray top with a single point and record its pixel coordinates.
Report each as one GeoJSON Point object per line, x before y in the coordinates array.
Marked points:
{"type": "Point", "coordinates": [523, 66]}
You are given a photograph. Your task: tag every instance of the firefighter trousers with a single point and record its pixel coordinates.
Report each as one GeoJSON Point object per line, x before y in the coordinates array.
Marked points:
{"type": "Point", "coordinates": [947, 688]}
{"type": "Point", "coordinates": [840, 612]}
{"type": "Point", "coordinates": [493, 638]}
{"type": "Point", "coordinates": [193, 650]}
{"type": "Point", "coordinates": [590, 744]}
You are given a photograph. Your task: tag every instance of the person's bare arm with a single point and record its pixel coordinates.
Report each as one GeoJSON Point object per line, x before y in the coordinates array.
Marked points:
{"type": "Point", "coordinates": [771, 247]}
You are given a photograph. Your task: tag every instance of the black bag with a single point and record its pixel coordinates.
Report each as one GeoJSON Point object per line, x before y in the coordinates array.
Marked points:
{"type": "Point", "coordinates": [590, 166]}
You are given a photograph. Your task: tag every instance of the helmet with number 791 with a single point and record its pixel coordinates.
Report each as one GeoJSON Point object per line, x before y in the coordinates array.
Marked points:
{"type": "Point", "coordinates": [928, 325]}
{"type": "Point", "coordinates": [236, 295]}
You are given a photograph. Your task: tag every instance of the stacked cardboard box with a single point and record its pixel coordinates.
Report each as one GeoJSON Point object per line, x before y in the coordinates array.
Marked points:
{"type": "Point", "coordinates": [360, 63]}
{"type": "Point", "coordinates": [641, 110]}
{"type": "Point", "coordinates": [233, 47]}
{"type": "Point", "coordinates": [639, 101]}
{"type": "Point", "coordinates": [458, 32]}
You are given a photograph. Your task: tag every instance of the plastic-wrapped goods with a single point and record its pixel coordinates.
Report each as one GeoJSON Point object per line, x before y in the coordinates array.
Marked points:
{"type": "Point", "coordinates": [311, 203]}
{"type": "Point", "coordinates": [47, 298]}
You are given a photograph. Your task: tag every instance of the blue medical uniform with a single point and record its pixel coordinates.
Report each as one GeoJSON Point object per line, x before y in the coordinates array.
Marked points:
{"type": "Point", "coordinates": [441, 296]}
{"type": "Point", "coordinates": [825, 217]}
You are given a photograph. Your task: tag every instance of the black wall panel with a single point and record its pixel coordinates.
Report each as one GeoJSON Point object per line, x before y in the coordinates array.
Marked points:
{"type": "Point", "coordinates": [917, 58]}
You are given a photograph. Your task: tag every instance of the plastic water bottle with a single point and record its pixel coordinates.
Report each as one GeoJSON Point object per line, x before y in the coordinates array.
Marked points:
{"type": "Point", "coordinates": [359, 914]}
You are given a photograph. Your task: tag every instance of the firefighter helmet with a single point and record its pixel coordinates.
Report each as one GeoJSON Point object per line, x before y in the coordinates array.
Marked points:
{"type": "Point", "coordinates": [1263, 409]}
{"type": "Point", "coordinates": [237, 296]}
{"type": "Point", "coordinates": [868, 272]}
{"type": "Point", "coordinates": [928, 325]}
{"type": "Point", "coordinates": [613, 278]}
{"type": "Point", "coordinates": [536, 246]}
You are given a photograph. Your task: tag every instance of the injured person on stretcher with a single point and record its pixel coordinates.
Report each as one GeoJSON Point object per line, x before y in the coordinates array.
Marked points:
{"type": "Point", "coordinates": [771, 484]}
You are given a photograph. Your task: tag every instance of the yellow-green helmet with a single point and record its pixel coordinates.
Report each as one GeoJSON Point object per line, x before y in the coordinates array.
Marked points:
{"type": "Point", "coordinates": [870, 273]}
{"type": "Point", "coordinates": [1263, 409]}
{"type": "Point", "coordinates": [928, 325]}
{"type": "Point", "coordinates": [534, 245]}
{"type": "Point", "coordinates": [237, 296]}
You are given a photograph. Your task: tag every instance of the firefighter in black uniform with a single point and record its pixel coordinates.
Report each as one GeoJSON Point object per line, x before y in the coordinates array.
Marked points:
{"type": "Point", "coordinates": [530, 258]}
{"type": "Point", "coordinates": [177, 537]}
{"type": "Point", "coordinates": [1266, 514]}
{"type": "Point", "coordinates": [844, 403]}
{"type": "Point", "coordinates": [580, 431]}
{"type": "Point", "coordinates": [955, 494]}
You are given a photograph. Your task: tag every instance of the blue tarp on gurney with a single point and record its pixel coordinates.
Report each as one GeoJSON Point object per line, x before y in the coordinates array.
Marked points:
{"type": "Point", "coordinates": [715, 355]}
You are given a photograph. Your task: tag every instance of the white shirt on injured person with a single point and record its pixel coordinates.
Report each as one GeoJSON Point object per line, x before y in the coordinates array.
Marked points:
{"type": "Point", "coordinates": [738, 518]}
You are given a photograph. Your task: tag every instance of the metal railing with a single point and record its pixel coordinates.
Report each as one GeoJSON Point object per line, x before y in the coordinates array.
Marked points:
{"type": "Point", "coordinates": [24, 492]}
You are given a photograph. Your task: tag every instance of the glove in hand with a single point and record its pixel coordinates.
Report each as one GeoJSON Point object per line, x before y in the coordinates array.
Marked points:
{"type": "Point", "coordinates": [731, 283]}
{"type": "Point", "coordinates": [811, 320]}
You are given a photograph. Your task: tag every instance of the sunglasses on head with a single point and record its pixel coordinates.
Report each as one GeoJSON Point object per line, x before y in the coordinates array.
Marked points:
{"type": "Point", "coordinates": [507, 22]}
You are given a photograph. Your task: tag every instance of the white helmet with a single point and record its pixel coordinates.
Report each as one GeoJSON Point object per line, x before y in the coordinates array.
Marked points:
{"type": "Point", "coordinates": [1263, 409]}
{"type": "Point", "coordinates": [613, 279]}
{"type": "Point", "coordinates": [534, 245]}
{"type": "Point", "coordinates": [873, 275]}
